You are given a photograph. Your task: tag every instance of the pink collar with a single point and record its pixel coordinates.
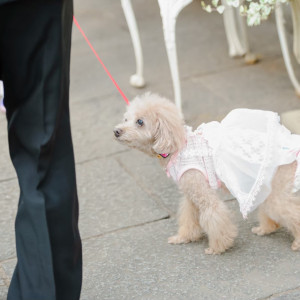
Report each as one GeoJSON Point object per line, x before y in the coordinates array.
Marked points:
{"type": "Point", "coordinates": [164, 155]}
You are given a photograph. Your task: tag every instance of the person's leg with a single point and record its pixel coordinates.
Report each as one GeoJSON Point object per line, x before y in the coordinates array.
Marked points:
{"type": "Point", "coordinates": [35, 39]}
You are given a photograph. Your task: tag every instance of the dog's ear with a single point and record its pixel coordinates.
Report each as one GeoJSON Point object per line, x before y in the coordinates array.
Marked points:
{"type": "Point", "coordinates": [169, 134]}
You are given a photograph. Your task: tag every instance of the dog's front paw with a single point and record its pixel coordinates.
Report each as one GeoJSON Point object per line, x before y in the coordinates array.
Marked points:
{"type": "Point", "coordinates": [177, 239]}
{"type": "Point", "coordinates": [258, 231]}
{"type": "Point", "coordinates": [296, 245]}
{"type": "Point", "coordinates": [211, 251]}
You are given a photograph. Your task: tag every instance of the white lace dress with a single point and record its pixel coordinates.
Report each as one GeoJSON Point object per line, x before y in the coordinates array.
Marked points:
{"type": "Point", "coordinates": [244, 151]}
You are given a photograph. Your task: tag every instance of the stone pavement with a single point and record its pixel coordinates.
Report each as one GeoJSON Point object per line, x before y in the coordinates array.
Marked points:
{"type": "Point", "coordinates": [127, 204]}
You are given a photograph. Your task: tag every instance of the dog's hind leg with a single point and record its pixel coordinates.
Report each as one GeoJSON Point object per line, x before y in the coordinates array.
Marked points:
{"type": "Point", "coordinates": [296, 242]}
{"type": "Point", "coordinates": [189, 228]}
{"type": "Point", "coordinates": [266, 224]}
{"type": "Point", "coordinates": [291, 220]}
{"type": "Point", "coordinates": [282, 205]}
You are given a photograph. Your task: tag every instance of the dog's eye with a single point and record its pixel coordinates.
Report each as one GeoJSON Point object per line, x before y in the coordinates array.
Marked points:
{"type": "Point", "coordinates": [125, 120]}
{"type": "Point", "coordinates": [140, 122]}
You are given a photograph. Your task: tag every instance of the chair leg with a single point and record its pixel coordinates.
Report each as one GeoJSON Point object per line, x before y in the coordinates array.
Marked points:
{"type": "Point", "coordinates": [170, 43]}
{"type": "Point", "coordinates": [284, 45]}
{"type": "Point", "coordinates": [136, 80]}
{"type": "Point", "coordinates": [235, 29]}
{"type": "Point", "coordinates": [295, 5]}
{"type": "Point", "coordinates": [169, 10]}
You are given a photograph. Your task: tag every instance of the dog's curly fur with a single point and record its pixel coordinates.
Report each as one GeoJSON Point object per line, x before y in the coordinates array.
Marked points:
{"type": "Point", "coordinates": [201, 211]}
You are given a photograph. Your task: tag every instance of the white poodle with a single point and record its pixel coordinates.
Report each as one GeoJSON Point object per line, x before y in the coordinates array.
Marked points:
{"type": "Point", "coordinates": [250, 153]}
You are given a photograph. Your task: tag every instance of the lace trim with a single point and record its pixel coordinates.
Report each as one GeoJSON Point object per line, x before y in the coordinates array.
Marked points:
{"type": "Point", "coordinates": [246, 206]}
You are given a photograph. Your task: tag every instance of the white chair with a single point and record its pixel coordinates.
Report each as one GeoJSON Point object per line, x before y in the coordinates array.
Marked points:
{"type": "Point", "coordinates": [235, 30]}
{"type": "Point", "coordinates": [136, 80]}
{"type": "Point", "coordinates": [295, 6]}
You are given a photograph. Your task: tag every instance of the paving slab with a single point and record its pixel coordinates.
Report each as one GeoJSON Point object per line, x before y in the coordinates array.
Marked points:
{"type": "Point", "coordinates": [109, 202]}
{"type": "Point", "coordinates": [289, 295]}
{"type": "Point", "coordinates": [7, 170]}
{"type": "Point", "coordinates": [92, 126]}
{"type": "Point", "coordinates": [147, 172]}
{"type": "Point", "coordinates": [262, 86]}
{"type": "Point", "coordinates": [139, 264]}
{"type": "Point", "coordinates": [3, 292]}
{"type": "Point", "coordinates": [121, 64]}
{"type": "Point", "coordinates": [8, 267]}
{"type": "Point", "coordinates": [9, 196]}
{"type": "Point", "coordinates": [4, 279]}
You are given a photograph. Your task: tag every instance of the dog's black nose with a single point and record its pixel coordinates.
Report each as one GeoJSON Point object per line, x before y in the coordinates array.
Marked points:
{"type": "Point", "coordinates": [118, 132]}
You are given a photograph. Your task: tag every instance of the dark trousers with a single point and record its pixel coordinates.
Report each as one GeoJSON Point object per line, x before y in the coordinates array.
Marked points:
{"type": "Point", "coordinates": [35, 39]}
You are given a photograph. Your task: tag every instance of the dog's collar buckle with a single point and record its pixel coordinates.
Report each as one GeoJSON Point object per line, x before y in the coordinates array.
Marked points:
{"type": "Point", "coordinates": [163, 155]}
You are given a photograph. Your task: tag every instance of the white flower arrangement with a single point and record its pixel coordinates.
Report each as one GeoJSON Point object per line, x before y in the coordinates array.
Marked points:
{"type": "Point", "coordinates": [255, 11]}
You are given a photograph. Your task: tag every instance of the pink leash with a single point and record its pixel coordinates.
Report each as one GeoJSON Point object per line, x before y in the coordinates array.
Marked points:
{"type": "Point", "coordinates": [101, 62]}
